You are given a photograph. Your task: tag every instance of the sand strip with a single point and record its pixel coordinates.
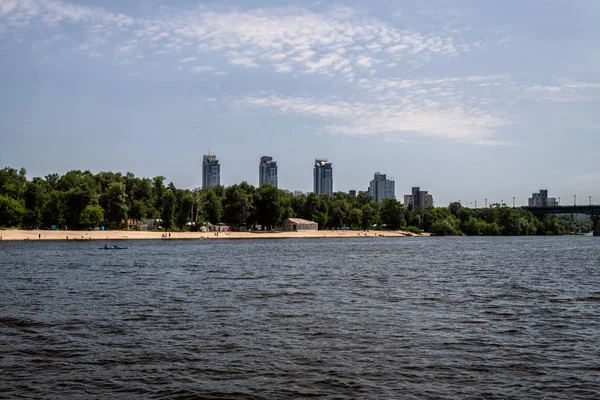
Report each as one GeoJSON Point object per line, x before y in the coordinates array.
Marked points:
{"type": "Point", "coordinates": [16, 234]}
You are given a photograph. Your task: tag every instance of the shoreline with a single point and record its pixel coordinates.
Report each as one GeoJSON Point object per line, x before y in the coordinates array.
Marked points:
{"type": "Point", "coordinates": [44, 235]}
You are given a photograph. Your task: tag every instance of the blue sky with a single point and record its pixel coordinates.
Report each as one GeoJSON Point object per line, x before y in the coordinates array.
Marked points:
{"type": "Point", "coordinates": [467, 99]}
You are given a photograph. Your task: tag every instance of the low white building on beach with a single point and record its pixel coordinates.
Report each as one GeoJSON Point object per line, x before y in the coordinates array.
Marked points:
{"type": "Point", "coordinates": [299, 224]}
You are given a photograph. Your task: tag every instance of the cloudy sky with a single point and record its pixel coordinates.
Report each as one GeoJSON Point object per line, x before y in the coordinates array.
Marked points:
{"type": "Point", "coordinates": [467, 99]}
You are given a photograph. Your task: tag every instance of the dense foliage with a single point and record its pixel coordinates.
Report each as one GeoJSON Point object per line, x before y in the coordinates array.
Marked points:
{"type": "Point", "coordinates": [81, 200]}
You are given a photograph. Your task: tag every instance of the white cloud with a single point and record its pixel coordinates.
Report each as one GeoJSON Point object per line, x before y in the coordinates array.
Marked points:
{"type": "Point", "coordinates": [50, 40]}
{"type": "Point", "coordinates": [397, 48]}
{"type": "Point", "coordinates": [493, 143]}
{"type": "Point", "coordinates": [24, 12]}
{"type": "Point", "coordinates": [341, 43]}
{"type": "Point", "coordinates": [244, 61]}
{"type": "Point", "coordinates": [283, 68]}
{"type": "Point", "coordinates": [582, 85]}
{"type": "Point", "coordinates": [202, 68]}
{"type": "Point", "coordinates": [360, 118]}
{"type": "Point", "coordinates": [282, 39]}
{"type": "Point", "coordinates": [365, 61]}
{"type": "Point", "coordinates": [544, 89]}
{"type": "Point", "coordinates": [276, 56]}
{"type": "Point", "coordinates": [563, 92]}
{"type": "Point", "coordinates": [308, 41]}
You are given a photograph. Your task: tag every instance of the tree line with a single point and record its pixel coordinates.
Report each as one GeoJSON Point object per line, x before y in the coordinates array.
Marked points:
{"type": "Point", "coordinates": [83, 200]}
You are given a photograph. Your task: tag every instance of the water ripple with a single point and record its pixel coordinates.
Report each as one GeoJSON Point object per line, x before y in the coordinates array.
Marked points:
{"type": "Point", "coordinates": [414, 318]}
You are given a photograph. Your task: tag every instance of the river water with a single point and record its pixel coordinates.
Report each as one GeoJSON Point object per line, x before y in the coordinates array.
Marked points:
{"type": "Point", "coordinates": [411, 318]}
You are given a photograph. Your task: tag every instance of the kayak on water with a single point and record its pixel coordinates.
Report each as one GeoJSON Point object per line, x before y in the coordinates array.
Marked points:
{"type": "Point", "coordinates": [113, 247]}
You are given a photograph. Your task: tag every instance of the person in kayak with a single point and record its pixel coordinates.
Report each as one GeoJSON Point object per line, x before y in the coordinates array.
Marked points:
{"type": "Point", "coordinates": [105, 246]}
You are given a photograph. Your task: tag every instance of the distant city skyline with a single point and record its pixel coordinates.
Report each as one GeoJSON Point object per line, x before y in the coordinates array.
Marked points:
{"type": "Point", "coordinates": [379, 188]}
{"type": "Point", "coordinates": [471, 100]}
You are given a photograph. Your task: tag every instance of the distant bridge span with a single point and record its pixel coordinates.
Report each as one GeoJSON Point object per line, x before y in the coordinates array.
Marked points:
{"type": "Point", "coordinates": [592, 211]}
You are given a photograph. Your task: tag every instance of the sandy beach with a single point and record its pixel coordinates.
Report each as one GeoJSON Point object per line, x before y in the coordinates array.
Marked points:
{"type": "Point", "coordinates": [16, 234]}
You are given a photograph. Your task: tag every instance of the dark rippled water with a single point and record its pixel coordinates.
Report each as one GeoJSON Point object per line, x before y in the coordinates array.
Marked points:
{"type": "Point", "coordinates": [488, 318]}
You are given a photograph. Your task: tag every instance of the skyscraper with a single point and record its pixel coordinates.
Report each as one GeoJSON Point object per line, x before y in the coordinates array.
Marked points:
{"type": "Point", "coordinates": [267, 171]}
{"type": "Point", "coordinates": [323, 177]}
{"type": "Point", "coordinates": [418, 199]}
{"type": "Point", "coordinates": [211, 171]}
{"type": "Point", "coordinates": [382, 188]}
{"type": "Point", "coordinates": [541, 199]}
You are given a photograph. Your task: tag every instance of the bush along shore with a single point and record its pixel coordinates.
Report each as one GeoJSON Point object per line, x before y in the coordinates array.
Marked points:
{"type": "Point", "coordinates": [81, 200]}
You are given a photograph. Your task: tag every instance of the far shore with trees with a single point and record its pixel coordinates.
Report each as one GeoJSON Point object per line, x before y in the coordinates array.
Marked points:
{"type": "Point", "coordinates": [81, 200]}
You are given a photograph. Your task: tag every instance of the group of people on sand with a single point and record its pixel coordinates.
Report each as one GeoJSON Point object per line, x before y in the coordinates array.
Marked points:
{"type": "Point", "coordinates": [164, 235]}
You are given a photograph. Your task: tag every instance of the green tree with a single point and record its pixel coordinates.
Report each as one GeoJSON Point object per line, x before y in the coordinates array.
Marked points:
{"type": "Point", "coordinates": [11, 212]}
{"type": "Point", "coordinates": [137, 210]}
{"type": "Point", "coordinates": [13, 182]}
{"type": "Point", "coordinates": [158, 190]}
{"type": "Point", "coordinates": [53, 213]}
{"type": "Point", "coordinates": [236, 206]}
{"type": "Point", "coordinates": [489, 229]}
{"type": "Point", "coordinates": [52, 180]}
{"type": "Point", "coordinates": [355, 218]}
{"type": "Point", "coordinates": [269, 206]}
{"type": "Point", "coordinates": [92, 216]}
{"type": "Point", "coordinates": [71, 180]}
{"type": "Point", "coordinates": [211, 206]}
{"type": "Point", "coordinates": [185, 209]}
{"type": "Point", "coordinates": [286, 206]}
{"type": "Point", "coordinates": [446, 226]}
{"type": "Point", "coordinates": [297, 203]}
{"type": "Point", "coordinates": [364, 198]}
{"type": "Point", "coordinates": [36, 197]}
{"type": "Point", "coordinates": [315, 209]}
{"type": "Point", "coordinates": [75, 200]}
{"type": "Point", "coordinates": [392, 214]}
{"type": "Point", "coordinates": [169, 202]}
{"type": "Point", "coordinates": [472, 227]}
{"type": "Point", "coordinates": [338, 210]}
{"type": "Point", "coordinates": [252, 195]}
{"type": "Point", "coordinates": [197, 197]}
{"type": "Point", "coordinates": [369, 216]}
{"type": "Point", "coordinates": [551, 225]}
{"type": "Point", "coordinates": [454, 207]}
{"type": "Point", "coordinates": [116, 204]}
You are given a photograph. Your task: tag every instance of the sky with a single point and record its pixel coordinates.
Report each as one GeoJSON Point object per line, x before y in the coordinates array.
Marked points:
{"type": "Point", "coordinates": [470, 100]}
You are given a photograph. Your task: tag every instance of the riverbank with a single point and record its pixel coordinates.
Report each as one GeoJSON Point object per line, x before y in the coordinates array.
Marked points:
{"type": "Point", "coordinates": [17, 234]}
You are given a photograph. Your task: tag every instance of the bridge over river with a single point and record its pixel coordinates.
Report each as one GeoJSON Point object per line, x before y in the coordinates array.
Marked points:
{"type": "Point", "coordinates": [592, 211]}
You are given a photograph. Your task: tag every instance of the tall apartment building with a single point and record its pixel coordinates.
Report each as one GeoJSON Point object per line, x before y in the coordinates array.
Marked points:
{"type": "Point", "coordinates": [323, 177]}
{"type": "Point", "coordinates": [541, 199]}
{"type": "Point", "coordinates": [418, 199]}
{"type": "Point", "coordinates": [211, 171]}
{"type": "Point", "coordinates": [382, 188]}
{"type": "Point", "coordinates": [267, 171]}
